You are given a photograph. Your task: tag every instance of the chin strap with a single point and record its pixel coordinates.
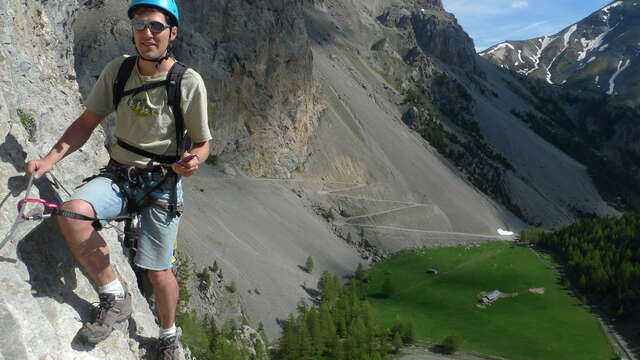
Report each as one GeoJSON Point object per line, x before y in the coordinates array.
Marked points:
{"type": "Point", "coordinates": [158, 60]}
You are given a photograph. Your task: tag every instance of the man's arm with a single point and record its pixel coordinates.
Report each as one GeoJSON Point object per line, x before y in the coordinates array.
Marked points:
{"type": "Point", "coordinates": [73, 138]}
{"type": "Point", "coordinates": [189, 167]}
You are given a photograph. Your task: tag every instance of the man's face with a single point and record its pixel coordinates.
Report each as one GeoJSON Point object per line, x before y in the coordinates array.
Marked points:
{"type": "Point", "coordinates": [150, 44]}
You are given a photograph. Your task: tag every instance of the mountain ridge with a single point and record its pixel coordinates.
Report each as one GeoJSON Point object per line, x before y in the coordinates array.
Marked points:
{"type": "Point", "coordinates": [589, 55]}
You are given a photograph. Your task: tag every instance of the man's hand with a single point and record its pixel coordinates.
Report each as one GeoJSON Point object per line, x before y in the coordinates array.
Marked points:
{"type": "Point", "coordinates": [187, 165]}
{"type": "Point", "coordinates": [37, 167]}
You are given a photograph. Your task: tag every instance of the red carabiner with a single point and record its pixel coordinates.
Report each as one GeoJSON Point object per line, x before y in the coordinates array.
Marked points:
{"type": "Point", "coordinates": [46, 204]}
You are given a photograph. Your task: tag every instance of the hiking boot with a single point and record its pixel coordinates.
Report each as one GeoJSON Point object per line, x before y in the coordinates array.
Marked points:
{"type": "Point", "coordinates": [168, 348]}
{"type": "Point", "coordinates": [105, 315]}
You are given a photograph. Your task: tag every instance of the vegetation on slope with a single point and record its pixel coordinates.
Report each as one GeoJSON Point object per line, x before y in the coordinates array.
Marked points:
{"type": "Point", "coordinates": [202, 336]}
{"type": "Point", "coordinates": [342, 327]}
{"type": "Point", "coordinates": [601, 258]}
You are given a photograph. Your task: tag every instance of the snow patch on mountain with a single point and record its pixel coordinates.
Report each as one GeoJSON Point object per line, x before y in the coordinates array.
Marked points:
{"type": "Point", "coordinates": [612, 81]}
{"type": "Point", "coordinates": [544, 42]}
{"type": "Point", "coordinates": [591, 59]}
{"type": "Point", "coordinates": [498, 47]}
{"type": "Point", "coordinates": [605, 11]}
{"type": "Point", "coordinates": [589, 45]}
{"type": "Point", "coordinates": [606, 8]}
{"type": "Point", "coordinates": [566, 37]}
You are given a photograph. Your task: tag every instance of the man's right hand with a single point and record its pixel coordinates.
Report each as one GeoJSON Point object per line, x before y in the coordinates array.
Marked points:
{"type": "Point", "coordinates": [37, 167]}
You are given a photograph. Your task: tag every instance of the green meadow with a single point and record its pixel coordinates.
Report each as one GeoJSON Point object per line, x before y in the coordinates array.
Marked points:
{"type": "Point", "coordinates": [527, 326]}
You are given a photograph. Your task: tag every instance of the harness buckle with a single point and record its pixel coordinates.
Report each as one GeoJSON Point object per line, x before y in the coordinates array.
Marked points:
{"type": "Point", "coordinates": [131, 172]}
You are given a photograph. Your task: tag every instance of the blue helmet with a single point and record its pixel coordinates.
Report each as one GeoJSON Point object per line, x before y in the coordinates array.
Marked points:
{"type": "Point", "coordinates": [167, 5]}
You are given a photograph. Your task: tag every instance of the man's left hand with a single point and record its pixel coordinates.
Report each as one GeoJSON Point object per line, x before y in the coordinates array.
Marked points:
{"type": "Point", "coordinates": [187, 165]}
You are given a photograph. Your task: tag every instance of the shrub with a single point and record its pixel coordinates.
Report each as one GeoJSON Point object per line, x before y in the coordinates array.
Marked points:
{"type": "Point", "coordinates": [308, 265]}
{"type": "Point", "coordinates": [451, 344]}
{"type": "Point", "coordinates": [206, 277]}
{"type": "Point", "coordinates": [212, 160]}
{"type": "Point", "coordinates": [232, 287]}
{"type": "Point", "coordinates": [29, 123]}
{"type": "Point", "coordinates": [387, 288]}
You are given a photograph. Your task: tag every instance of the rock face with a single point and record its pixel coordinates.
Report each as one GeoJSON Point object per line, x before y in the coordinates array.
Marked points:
{"type": "Point", "coordinates": [435, 31]}
{"type": "Point", "coordinates": [44, 296]}
{"type": "Point", "coordinates": [255, 60]}
{"type": "Point", "coordinates": [599, 53]}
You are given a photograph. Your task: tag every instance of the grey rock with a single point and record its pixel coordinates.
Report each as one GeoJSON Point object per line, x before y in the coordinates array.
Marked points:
{"type": "Point", "coordinates": [228, 169]}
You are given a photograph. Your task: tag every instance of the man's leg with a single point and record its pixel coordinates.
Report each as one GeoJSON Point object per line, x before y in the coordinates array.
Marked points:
{"type": "Point", "coordinates": [159, 228]}
{"type": "Point", "coordinates": [165, 291]}
{"type": "Point", "coordinates": [97, 198]}
{"type": "Point", "coordinates": [87, 246]}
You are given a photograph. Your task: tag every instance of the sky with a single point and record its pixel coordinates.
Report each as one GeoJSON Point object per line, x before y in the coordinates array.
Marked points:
{"type": "Point", "coordinates": [489, 22]}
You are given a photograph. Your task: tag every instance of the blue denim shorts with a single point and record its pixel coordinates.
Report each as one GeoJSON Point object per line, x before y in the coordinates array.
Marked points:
{"type": "Point", "coordinates": [158, 226]}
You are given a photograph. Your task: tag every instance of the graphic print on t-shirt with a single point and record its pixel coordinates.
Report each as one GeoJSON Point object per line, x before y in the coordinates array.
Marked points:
{"type": "Point", "coordinates": [140, 106]}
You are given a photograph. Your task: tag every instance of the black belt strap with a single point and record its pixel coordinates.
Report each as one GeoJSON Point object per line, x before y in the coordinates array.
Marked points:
{"type": "Point", "coordinates": [163, 159]}
{"type": "Point", "coordinates": [145, 87]}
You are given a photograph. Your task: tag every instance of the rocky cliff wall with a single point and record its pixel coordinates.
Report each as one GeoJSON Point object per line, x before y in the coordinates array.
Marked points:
{"type": "Point", "coordinates": [44, 296]}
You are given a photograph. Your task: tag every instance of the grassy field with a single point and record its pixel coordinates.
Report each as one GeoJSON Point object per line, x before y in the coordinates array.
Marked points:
{"type": "Point", "coordinates": [551, 326]}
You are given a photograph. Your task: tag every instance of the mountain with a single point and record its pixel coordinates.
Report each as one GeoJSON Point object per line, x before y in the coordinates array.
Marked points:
{"type": "Point", "coordinates": [600, 53]}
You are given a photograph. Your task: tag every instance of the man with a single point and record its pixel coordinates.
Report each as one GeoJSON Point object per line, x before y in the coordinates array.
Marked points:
{"type": "Point", "coordinates": [138, 177]}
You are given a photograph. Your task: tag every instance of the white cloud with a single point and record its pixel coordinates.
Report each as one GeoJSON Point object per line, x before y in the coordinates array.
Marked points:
{"type": "Point", "coordinates": [519, 4]}
{"type": "Point", "coordinates": [532, 26]}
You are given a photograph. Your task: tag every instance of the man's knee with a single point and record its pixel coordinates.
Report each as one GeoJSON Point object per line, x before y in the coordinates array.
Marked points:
{"type": "Point", "coordinates": [79, 207]}
{"type": "Point", "coordinates": [160, 277]}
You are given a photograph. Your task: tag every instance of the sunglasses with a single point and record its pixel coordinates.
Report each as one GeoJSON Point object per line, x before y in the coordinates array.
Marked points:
{"type": "Point", "coordinates": [154, 26]}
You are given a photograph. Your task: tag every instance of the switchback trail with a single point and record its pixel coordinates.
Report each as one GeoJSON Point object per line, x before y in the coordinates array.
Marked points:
{"type": "Point", "coordinates": [408, 205]}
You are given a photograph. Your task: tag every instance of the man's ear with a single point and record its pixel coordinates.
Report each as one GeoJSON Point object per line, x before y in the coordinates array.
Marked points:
{"type": "Point", "coordinates": [174, 32]}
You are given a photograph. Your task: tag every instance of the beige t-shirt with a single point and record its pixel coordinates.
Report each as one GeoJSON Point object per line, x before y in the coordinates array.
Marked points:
{"type": "Point", "coordinates": [145, 120]}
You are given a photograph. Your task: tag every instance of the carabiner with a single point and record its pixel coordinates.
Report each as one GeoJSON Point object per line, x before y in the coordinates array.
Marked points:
{"type": "Point", "coordinates": [46, 204]}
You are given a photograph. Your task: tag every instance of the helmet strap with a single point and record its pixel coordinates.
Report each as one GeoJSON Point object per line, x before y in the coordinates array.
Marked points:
{"type": "Point", "coordinates": [157, 60]}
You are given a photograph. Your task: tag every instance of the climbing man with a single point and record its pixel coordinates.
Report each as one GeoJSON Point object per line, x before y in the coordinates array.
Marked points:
{"type": "Point", "coordinates": [157, 100]}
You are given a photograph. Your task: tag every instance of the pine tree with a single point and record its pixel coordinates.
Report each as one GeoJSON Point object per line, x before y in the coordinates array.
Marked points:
{"type": "Point", "coordinates": [408, 333]}
{"type": "Point", "coordinates": [451, 344]}
{"type": "Point", "coordinates": [397, 342]}
{"type": "Point", "coordinates": [304, 343]}
{"type": "Point", "coordinates": [387, 288]}
{"type": "Point", "coordinates": [361, 274]}
{"type": "Point", "coordinates": [313, 324]}
{"type": "Point", "coordinates": [214, 336]}
{"type": "Point", "coordinates": [308, 265]}
{"type": "Point", "coordinates": [183, 275]}
{"type": "Point", "coordinates": [340, 353]}
{"type": "Point", "coordinates": [232, 287]}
